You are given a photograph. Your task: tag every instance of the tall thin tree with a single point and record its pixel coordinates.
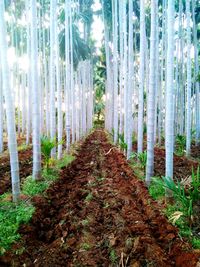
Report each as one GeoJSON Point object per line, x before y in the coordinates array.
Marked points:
{"type": "Point", "coordinates": [10, 110]}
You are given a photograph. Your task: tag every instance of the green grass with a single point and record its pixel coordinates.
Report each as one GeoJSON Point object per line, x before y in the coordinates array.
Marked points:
{"type": "Point", "coordinates": [113, 256]}
{"type": "Point", "coordinates": [11, 216]}
{"type": "Point", "coordinates": [156, 190]}
{"type": "Point", "coordinates": [31, 187]}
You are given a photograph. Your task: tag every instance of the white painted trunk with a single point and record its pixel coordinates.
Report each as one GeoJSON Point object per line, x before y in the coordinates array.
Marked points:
{"type": "Point", "coordinates": [141, 77]}
{"type": "Point", "coordinates": [35, 94]}
{"type": "Point", "coordinates": [169, 118]}
{"type": "Point", "coordinates": [67, 79]}
{"type": "Point", "coordinates": [59, 95]}
{"type": "Point", "coordinates": [189, 80]}
{"type": "Point", "coordinates": [10, 111]}
{"type": "Point", "coordinates": [52, 72]}
{"type": "Point", "coordinates": [1, 111]}
{"type": "Point", "coordinates": [29, 103]}
{"type": "Point", "coordinates": [196, 71]}
{"type": "Point", "coordinates": [151, 96]}
{"type": "Point", "coordinates": [115, 69]}
{"type": "Point", "coordinates": [130, 81]}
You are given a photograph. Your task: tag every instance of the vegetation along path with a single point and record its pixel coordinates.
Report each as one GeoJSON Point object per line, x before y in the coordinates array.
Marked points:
{"type": "Point", "coordinates": [98, 214]}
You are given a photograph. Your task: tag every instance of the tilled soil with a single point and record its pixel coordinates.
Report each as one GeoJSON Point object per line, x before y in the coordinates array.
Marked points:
{"type": "Point", "coordinates": [182, 165]}
{"type": "Point", "coordinates": [25, 167]}
{"type": "Point", "coordinates": [98, 214]}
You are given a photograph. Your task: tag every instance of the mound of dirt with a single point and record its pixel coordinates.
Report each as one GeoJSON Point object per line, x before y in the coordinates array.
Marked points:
{"type": "Point", "coordinates": [98, 214]}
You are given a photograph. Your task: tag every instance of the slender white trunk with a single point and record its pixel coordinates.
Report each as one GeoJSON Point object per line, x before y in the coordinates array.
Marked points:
{"type": "Point", "coordinates": [67, 80]}
{"type": "Point", "coordinates": [1, 112]}
{"type": "Point", "coordinates": [35, 94]}
{"type": "Point", "coordinates": [10, 111]}
{"type": "Point", "coordinates": [53, 6]}
{"type": "Point", "coordinates": [59, 95]}
{"type": "Point", "coordinates": [130, 81]}
{"type": "Point", "coordinates": [169, 118]}
{"type": "Point", "coordinates": [73, 116]}
{"type": "Point", "coordinates": [151, 96]}
{"type": "Point", "coordinates": [115, 68]}
{"type": "Point", "coordinates": [29, 104]}
{"type": "Point", "coordinates": [189, 80]}
{"type": "Point", "coordinates": [196, 71]}
{"type": "Point", "coordinates": [141, 77]}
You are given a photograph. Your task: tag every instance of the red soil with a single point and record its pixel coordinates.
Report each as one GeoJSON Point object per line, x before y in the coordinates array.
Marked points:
{"type": "Point", "coordinates": [99, 214]}
{"type": "Point", "coordinates": [25, 167]}
{"type": "Point", "coordinates": [182, 165]}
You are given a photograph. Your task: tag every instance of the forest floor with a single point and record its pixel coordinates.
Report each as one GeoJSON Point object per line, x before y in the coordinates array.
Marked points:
{"type": "Point", "coordinates": [98, 214]}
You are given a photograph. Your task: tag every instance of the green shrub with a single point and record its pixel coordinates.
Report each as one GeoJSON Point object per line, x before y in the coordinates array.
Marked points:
{"type": "Point", "coordinates": [11, 216]}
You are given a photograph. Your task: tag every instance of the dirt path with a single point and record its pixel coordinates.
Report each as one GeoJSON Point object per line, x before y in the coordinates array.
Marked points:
{"type": "Point", "coordinates": [99, 214]}
{"type": "Point", "coordinates": [25, 166]}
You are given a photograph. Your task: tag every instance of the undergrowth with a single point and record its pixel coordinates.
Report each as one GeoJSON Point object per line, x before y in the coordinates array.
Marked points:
{"type": "Point", "coordinates": [180, 213]}
{"type": "Point", "coordinates": [12, 215]}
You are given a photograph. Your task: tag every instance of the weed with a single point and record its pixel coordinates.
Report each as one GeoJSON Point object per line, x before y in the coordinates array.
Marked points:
{"type": "Point", "coordinates": [47, 145]}
{"type": "Point", "coordinates": [113, 256]}
{"type": "Point", "coordinates": [122, 143]}
{"type": "Point", "coordinates": [196, 243]}
{"type": "Point", "coordinates": [156, 188]}
{"type": "Point", "coordinates": [11, 216]}
{"type": "Point", "coordinates": [85, 222]}
{"type": "Point", "coordinates": [85, 246]}
{"type": "Point", "coordinates": [89, 197]}
{"type": "Point", "coordinates": [32, 187]}
{"type": "Point", "coordinates": [181, 143]}
{"type": "Point", "coordinates": [100, 179]}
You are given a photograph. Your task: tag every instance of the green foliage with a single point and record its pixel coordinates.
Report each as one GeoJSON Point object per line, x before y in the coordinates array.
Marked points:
{"type": "Point", "coordinates": [11, 216]}
{"type": "Point", "coordinates": [122, 143]}
{"type": "Point", "coordinates": [32, 187]}
{"type": "Point", "coordinates": [113, 257]}
{"type": "Point", "coordinates": [181, 143]}
{"type": "Point", "coordinates": [185, 199]}
{"type": "Point", "coordinates": [156, 188]}
{"type": "Point", "coordinates": [196, 242]}
{"type": "Point", "coordinates": [89, 197]}
{"type": "Point", "coordinates": [85, 246]}
{"type": "Point", "coordinates": [142, 158]}
{"type": "Point", "coordinates": [46, 147]}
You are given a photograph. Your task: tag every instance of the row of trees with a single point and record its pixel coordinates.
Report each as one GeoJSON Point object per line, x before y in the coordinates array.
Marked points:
{"type": "Point", "coordinates": [152, 65]}
{"type": "Point", "coordinates": [48, 88]}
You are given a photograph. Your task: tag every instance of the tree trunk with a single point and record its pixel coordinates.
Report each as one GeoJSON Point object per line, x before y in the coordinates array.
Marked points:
{"type": "Point", "coordinates": [35, 94]}
{"type": "Point", "coordinates": [10, 111]}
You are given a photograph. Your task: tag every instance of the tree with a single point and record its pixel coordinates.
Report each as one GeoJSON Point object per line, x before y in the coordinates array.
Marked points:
{"type": "Point", "coordinates": [189, 80]}
{"type": "Point", "coordinates": [10, 112]}
{"type": "Point", "coordinates": [141, 78]}
{"type": "Point", "coordinates": [35, 93]}
{"type": "Point", "coordinates": [169, 116]}
{"type": "Point", "coordinates": [151, 96]}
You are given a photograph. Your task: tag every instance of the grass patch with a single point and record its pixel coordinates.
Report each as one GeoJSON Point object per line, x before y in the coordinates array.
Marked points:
{"type": "Point", "coordinates": [11, 216]}
{"type": "Point", "coordinates": [174, 213]}
{"type": "Point", "coordinates": [32, 187]}
{"type": "Point", "coordinates": [156, 190]}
